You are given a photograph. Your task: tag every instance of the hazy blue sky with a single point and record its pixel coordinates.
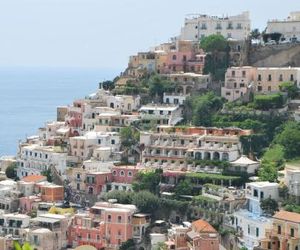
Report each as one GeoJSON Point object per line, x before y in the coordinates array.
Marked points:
{"type": "Point", "coordinates": [103, 33]}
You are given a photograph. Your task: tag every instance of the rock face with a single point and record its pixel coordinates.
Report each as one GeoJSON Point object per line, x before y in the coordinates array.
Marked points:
{"type": "Point", "coordinates": [275, 56]}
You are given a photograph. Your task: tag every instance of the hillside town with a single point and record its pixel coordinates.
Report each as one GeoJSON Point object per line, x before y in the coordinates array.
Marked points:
{"type": "Point", "coordinates": [195, 146]}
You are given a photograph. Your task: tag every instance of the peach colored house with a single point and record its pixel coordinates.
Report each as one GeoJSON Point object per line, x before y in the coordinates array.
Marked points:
{"type": "Point", "coordinates": [203, 236]}
{"type": "Point", "coordinates": [106, 225]}
{"type": "Point", "coordinates": [96, 182]}
{"type": "Point", "coordinates": [29, 203]}
{"type": "Point", "coordinates": [285, 232]}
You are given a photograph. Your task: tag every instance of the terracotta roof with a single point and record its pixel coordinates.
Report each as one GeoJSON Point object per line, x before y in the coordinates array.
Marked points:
{"type": "Point", "coordinates": [34, 178]}
{"type": "Point", "coordinates": [202, 226]}
{"type": "Point", "coordinates": [287, 216]}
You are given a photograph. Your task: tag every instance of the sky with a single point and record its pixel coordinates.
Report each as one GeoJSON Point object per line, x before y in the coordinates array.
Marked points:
{"type": "Point", "coordinates": [103, 33]}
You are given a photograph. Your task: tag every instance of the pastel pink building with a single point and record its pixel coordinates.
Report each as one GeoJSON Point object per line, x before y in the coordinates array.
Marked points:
{"type": "Point", "coordinates": [74, 114]}
{"type": "Point", "coordinates": [123, 177]}
{"type": "Point", "coordinates": [106, 225]}
{"type": "Point", "coordinates": [96, 182]}
{"type": "Point", "coordinates": [29, 203]}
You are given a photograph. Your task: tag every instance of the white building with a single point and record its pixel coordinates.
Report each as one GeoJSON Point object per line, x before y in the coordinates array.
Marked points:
{"type": "Point", "coordinates": [35, 159]}
{"type": "Point", "coordinates": [13, 224]}
{"type": "Point", "coordinates": [84, 146]}
{"type": "Point", "coordinates": [251, 223]}
{"type": "Point", "coordinates": [197, 27]}
{"type": "Point", "coordinates": [244, 165]}
{"type": "Point", "coordinates": [289, 28]}
{"type": "Point", "coordinates": [171, 147]}
{"type": "Point", "coordinates": [164, 114]}
{"type": "Point", "coordinates": [174, 98]}
{"type": "Point", "coordinates": [292, 180]}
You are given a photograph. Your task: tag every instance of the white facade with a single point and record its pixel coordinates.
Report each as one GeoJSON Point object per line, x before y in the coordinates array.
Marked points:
{"type": "Point", "coordinates": [164, 114]}
{"type": "Point", "coordinates": [35, 159]}
{"type": "Point", "coordinates": [292, 180]}
{"type": "Point", "coordinates": [125, 103]}
{"type": "Point", "coordinates": [252, 223]}
{"type": "Point", "coordinates": [177, 99]}
{"type": "Point", "coordinates": [84, 146]}
{"type": "Point", "coordinates": [13, 224]}
{"type": "Point", "coordinates": [199, 26]}
{"type": "Point", "coordinates": [289, 28]}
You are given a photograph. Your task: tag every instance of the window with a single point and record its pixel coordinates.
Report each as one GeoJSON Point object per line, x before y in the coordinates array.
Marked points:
{"type": "Point", "coordinates": [203, 26]}
{"type": "Point", "coordinates": [259, 77]}
{"type": "Point", "coordinates": [248, 229]}
{"type": "Point", "coordinates": [279, 229]}
{"type": "Point", "coordinates": [129, 174]}
{"type": "Point", "coordinates": [292, 232]}
{"type": "Point", "coordinates": [78, 186]}
{"type": "Point", "coordinates": [99, 141]}
{"type": "Point", "coordinates": [174, 57]}
{"type": "Point", "coordinates": [292, 78]}
{"type": "Point", "coordinates": [184, 58]}
{"type": "Point", "coordinates": [122, 173]}
{"type": "Point", "coordinates": [239, 26]}
{"type": "Point", "coordinates": [269, 78]}
{"type": "Point", "coordinates": [114, 173]}
{"type": "Point", "coordinates": [280, 77]}
{"type": "Point", "coordinates": [119, 219]}
{"type": "Point", "coordinates": [269, 88]}
{"type": "Point", "coordinates": [244, 73]}
{"type": "Point", "coordinates": [255, 193]}
{"type": "Point", "coordinates": [109, 218]}
{"type": "Point", "coordinates": [113, 141]}
{"type": "Point", "coordinates": [219, 27]}
{"type": "Point", "coordinates": [257, 232]}
{"type": "Point", "coordinates": [259, 88]}
{"type": "Point", "coordinates": [261, 194]}
{"type": "Point", "coordinates": [233, 73]}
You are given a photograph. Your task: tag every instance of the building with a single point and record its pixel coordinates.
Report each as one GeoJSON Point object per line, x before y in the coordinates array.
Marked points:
{"type": "Point", "coordinates": [188, 83]}
{"type": "Point", "coordinates": [289, 28]}
{"type": "Point", "coordinates": [48, 230]}
{"type": "Point", "coordinates": [35, 159]}
{"type": "Point", "coordinates": [164, 114]}
{"type": "Point", "coordinates": [251, 223]}
{"type": "Point", "coordinates": [106, 225]}
{"type": "Point", "coordinates": [171, 147]}
{"type": "Point", "coordinates": [240, 81]}
{"type": "Point", "coordinates": [284, 234]}
{"type": "Point", "coordinates": [244, 165]}
{"type": "Point", "coordinates": [196, 27]}
{"type": "Point", "coordinates": [13, 224]}
{"type": "Point", "coordinates": [292, 181]}
{"type": "Point", "coordinates": [82, 147]}
{"type": "Point", "coordinates": [202, 236]}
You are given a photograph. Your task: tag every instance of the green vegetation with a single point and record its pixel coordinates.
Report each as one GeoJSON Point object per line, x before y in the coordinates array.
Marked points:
{"type": "Point", "coordinates": [200, 109]}
{"type": "Point", "coordinates": [11, 171]}
{"type": "Point", "coordinates": [290, 88]}
{"type": "Point", "coordinates": [127, 245]}
{"type": "Point", "coordinates": [268, 172]}
{"type": "Point", "coordinates": [203, 200]}
{"type": "Point", "coordinates": [202, 178]}
{"type": "Point", "coordinates": [269, 206]}
{"type": "Point", "coordinates": [48, 174]}
{"type": "Point", "coordinates": [26, 246]}
{"type": "Point", "coordinates": [148, 181]}
{"type": "Point", "coordinates": [270, 101]}
{"type": "Point", "coordinates": [129, 138]}
{"type": "Point", "coordinates": [183, 188]}
{"type": "Point", "coordinates": [217, 58]}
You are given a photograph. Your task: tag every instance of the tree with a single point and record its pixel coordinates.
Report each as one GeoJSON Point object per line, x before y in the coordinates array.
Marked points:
{"type": "Point", "coordinates": [11, 171]}
{"type": "Point", "coordinates": [145, 201]}
{"type": "Point", "coordinates": [275, 154]}
{"type": "Point", "coordinates": [269, 206]}
{"type": "Point", "coordinates": [289, 138]}
{"type": "Point", "coordinates": [266, 102]}
{"type": "Point", "coordinates": [26, 246]}
{"type": "Point", "coordinates": [255, 34]}
{"type": "Point", "coordinates": [214, 43]}
{"type": "Point", "coordinates": [183, 188]}
{"type": "Point", "coordinates": [127, 245]}
{"type": "Point", "coordinates": [107, 85]}
{"type": "Point", "coordinates": [200, 109]}
{"type": "Point", "coordinates": [290, 88]}
{"type": "Point", "coordinates": [147, 181]}
{"type": "Point", "coordinates": [217, 58]}
{"type": "Point", "coordinates": [122, 197]}
{"type": "Point", "coordinates": [129, 138]}
{"type": "Point", "coordinates": [158, 86]}
{"type": "Point", "coordinates": [48, 174]}
{"type": "Point", "coordinates": [268, 172]}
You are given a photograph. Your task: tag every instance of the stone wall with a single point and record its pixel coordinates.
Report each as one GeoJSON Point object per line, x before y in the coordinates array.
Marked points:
{"type": "Point", "coordinates": [280, 55]}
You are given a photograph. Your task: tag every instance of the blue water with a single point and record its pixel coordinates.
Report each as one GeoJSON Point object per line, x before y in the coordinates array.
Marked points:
{"type": "Point", "coordinates": [29, 97]}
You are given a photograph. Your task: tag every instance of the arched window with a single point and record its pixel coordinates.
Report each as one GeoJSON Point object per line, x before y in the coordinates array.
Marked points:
{"type": "Point", "coordinates": [225, 157]}
{"type": "Point", "coordinates": [114, 173]}
{"type": "Point", "coordinates": [198, 156]}
{"type": "Point", "coordinates": [122, 173]}
{"type": "Point", "coordinates": [216, 156]}
{"type": "Point", "coordinates": [129, 173]}
{"type": "Point", "coordinates": [174, 57]}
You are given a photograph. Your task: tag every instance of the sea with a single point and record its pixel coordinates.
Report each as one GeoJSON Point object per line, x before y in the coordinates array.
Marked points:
{"type": "Point", "coordinates": [29, 97]}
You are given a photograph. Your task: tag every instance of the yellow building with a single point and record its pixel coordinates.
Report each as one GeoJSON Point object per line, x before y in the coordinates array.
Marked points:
{"type": "Point", "coordinates": [285, 233]}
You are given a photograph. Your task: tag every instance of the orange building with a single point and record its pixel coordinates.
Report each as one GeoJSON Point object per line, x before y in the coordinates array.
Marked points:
{"type": "Point", "coordinates": [203, 236]}
{"type": "Point", "coordinates": [51, 192]}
